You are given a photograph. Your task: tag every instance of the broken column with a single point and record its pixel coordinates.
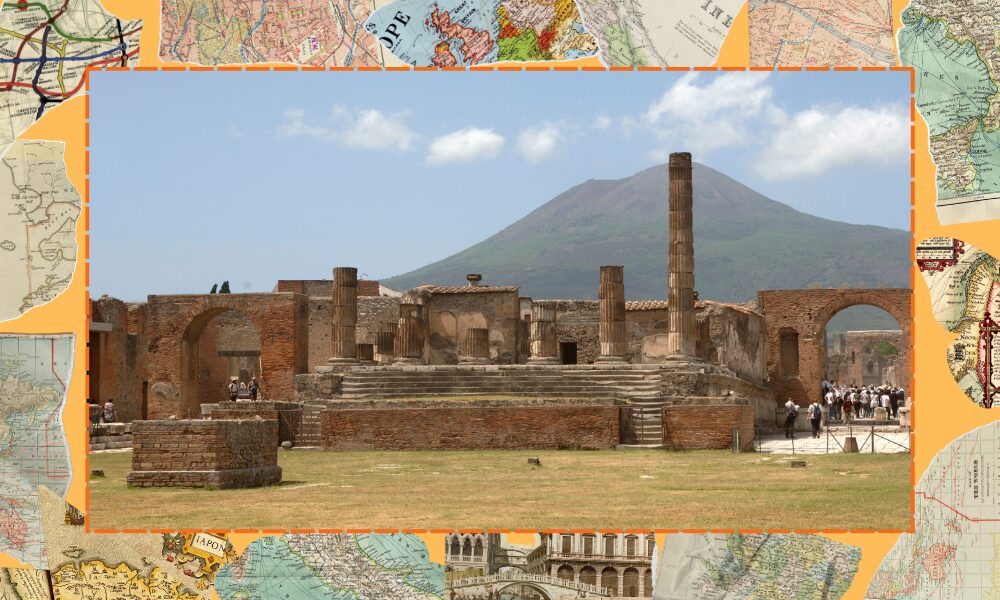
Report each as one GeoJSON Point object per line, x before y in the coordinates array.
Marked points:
{"type": "Point", "coordinates": [345, 315]}
{"type": "Point", "coordinates": [385, 351]}
{"type": "Point", "coordinates": [366, 354]}
{"type": "Point", "coordinates": [410, 336]}
{"type": "Point", "coordinates": [680, 308]}
{"type": "Point", "coordinates": [544, 345]}
{"type": "Point", "coordinates": [476, 349]}
{"type": "Point", "coordinates": [611, 297]}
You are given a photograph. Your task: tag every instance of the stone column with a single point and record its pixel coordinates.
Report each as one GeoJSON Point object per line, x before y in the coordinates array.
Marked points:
{"type": "Point", "coordinates": [611, 296]}
{"type": "Point", "coordinates": [410, 337]}
{"type": "Point", "coordinates": [544, 344]}
{"type": "Point", "coordinates": [345, 315]}
{"type": "Point", "coordinates": [366, 354]}
{"type": "Point", "coordinates": [476, 349]}
{"type": "Point", "coordinates": [680, 278]}
{"type": "Point", "coordinates": [385, 347]}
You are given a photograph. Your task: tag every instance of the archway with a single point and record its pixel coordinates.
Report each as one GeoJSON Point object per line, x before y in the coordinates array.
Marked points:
{"type": "Point", "coordinates": [609, 580]}
{"type": "Point", "coordinates": [522, 591]}
{"type": "Point", "coordinates": [218, 345]}
{"type": "Point", "coordinates": [862, 342]}
{"type": "Point", "coordinates": [566, 572]}
{"type": "Point", "coordinates": [588, 575]}
{"type": "Point", "coordinates": [630, 582]}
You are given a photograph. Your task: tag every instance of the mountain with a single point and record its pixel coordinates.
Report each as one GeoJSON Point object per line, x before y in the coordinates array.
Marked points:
{"type": "Point", "coordinates": [744, 242]}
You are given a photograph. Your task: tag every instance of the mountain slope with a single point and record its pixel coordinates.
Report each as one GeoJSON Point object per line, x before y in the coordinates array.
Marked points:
{"type": "Point", "coordinates": [744, 242]}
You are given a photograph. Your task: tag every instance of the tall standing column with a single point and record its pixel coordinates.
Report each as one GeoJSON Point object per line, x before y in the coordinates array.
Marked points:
{"type": "Point", "coordinates": [611, 297]}
{"type": "Point", "coordinates": [410, 337]}
{"type": "Point", "coordinates": [476, 349]}
{"type": "Point", "coordinates": [345, 315]}
{"type": "Point", "coordinates": [544, 345]}
{"type": "Point", "coordinates": [680, 308]}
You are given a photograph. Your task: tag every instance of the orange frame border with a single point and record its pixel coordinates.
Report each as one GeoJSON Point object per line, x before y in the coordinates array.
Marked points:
{"type": "Point", "coordinates": [504, 68]}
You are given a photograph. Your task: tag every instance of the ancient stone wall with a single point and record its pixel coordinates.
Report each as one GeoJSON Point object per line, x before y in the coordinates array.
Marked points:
{"type": "Point", "coordinates": [287, 414]}
{"type": "Point", "coordinates": [374, 315]}
{"type": "Point", "coordinates": [374, 312]}
{"type": "Point", "coordinates": [578, 321]}
{"type": "Point", "coordinates": [117, 357]}
{"type": "Point", "coordinates": [795, 326]}
{"type": "Point", "coordinates": [865, 366]}
{"type": "Point", "coordinates": [501, 428]}
{"type": "Point", "coordinates": [223, 454]}
{"type": "Point", "coordinates": [453, 312]}
{"type": "Point", "coordinates": [323, 287]}
{"type": "Point", "coordinates": [707, 427]}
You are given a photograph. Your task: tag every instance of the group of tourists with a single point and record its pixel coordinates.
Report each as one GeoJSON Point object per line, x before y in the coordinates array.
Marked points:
{"type": "Point", "coordinates": [240, 389]}
{"type": "Point", "coordinates": [846, 403]}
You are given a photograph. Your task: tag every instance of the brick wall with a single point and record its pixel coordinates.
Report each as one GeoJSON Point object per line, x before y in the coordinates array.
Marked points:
{"type": "Point", "coordinates": [707, 427]}
{"type": "Point", "coordinates": [513, 428]}
{"type": "Point", "coordinates": [287, 414]}
{"type": "Point", "coordinates": [224, 454]}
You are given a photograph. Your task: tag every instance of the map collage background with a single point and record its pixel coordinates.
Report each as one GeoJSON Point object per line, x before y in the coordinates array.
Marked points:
{"type": "Point", "coordinates": [940, 401]}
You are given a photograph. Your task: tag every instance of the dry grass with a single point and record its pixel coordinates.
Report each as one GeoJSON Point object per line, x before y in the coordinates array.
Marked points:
{"type": "Point", "coordinates": [620, 489]}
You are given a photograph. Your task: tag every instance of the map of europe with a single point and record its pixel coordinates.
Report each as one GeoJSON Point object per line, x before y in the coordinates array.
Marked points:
{"type": "Point", "coordinates": [45, 49]}
{"type": "Point", "coordinates": [965, 292]}
{"type": "Point", "coordinates": [821, 33]}
{"type": "Point", "coordinates": [333, 567]}
{"type": "Point", "coordinates": [34, 375]}
{"type": "Point", "coordinates": [737, 566]}
{"type": "Point", "coordinates": [953, 552]}
{"type": "Point", "coordinates": [955, 51]}
{"type": "Point", "coordinates": [306, 32]}
{"type": "Point", "coordinates": [458, 33]}
{"type": "Point", "coordinates": [39, 208]}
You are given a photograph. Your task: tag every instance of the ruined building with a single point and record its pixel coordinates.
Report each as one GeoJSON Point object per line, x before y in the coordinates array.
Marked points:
{"type": "Point", "coordinates": [369, 368]}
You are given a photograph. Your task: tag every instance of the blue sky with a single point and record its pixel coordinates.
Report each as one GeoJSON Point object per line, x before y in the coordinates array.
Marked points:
{"type": "Point", "coordinates": [255, 177]}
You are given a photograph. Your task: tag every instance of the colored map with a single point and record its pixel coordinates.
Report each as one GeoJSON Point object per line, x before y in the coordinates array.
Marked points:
{"type": "Point", "coordinates": [821, 33]}
{"type": "Point", "coordinates": [304, 32]}
{"type": "Point", "coordinates": [737, 566]}
{"type": "Point", "coordinates": [954, 551]}
{"type": "Point", "coordinates": [123, 566]}
{"type": "Point", "coordinates": [458, 33]}
{"type": "Point", "coordinates": [34, 376]}
{"type": "Point", "coordinates": [333, 567]}
{"type": "Point", "coordinates": [640, 33]}
{"type": "Point", "coordinates": [45, 49]}
{"type": "Point", "coordinates": [955, 51]}
{"type": "Point", "coordinates": [965, 292]}
{"type": "Point", "coordinates": [24, 584]}
{"type": "Point", "coordinates": [38, 212]}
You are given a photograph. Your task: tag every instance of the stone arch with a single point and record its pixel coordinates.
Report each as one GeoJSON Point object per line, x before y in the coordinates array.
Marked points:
{"type": "Point", "coordinates": [588, 575]}
{"type": "Point", "coordinates": [808, 312]}
{"type": "Point", "coordinates": [566, 572]}
{"type": "Point", "coordinates": [647, 583]}
{"type": "Point", "coordinates": [609, 580]}
{"type": "Point", "coordinates": [630, 582]}
{"type": "Point", "coordinates": [198, 385]}
{"type": "Point", "coordinates": [541, 591]}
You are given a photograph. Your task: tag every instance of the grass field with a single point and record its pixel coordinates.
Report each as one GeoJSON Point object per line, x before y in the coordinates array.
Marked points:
{"type": "Point", "coordinates": [498, 489]}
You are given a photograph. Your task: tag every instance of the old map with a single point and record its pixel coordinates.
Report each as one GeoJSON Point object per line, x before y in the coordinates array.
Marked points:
{"type": "Point", "coordinates": [125, 566]}
{"type": "Point", "coordinates": [34, 376]}
{"type": "Point", "coordinates": [45, 49]}
{"type": "Point", "coordinates": [954, 48]}
{"type": "Point", "coordinates": [333, 567]}
{"type": "Point", "coordinates": [953, 552]}
{"type": "Point", "coordinates": [39, 208]}
{"type": "Point", "coordinates": [306, 32]}
{"type": "Point", "coordinates": [24, 584]}
{"type": "Point", "coordinates": [821, 33]}
{"type": "Point", "coordinates": [735, 566]}
{"type": "Point", "coordinates": [450, 33]}
{"type": "Point", "coordinates": [638, 33]}
{"type": "Point", "coordinates": [965, 292]}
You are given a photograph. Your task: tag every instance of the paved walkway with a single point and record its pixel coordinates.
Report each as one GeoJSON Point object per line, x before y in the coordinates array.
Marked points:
{"type": "Point", "coordinates": [887, 441]}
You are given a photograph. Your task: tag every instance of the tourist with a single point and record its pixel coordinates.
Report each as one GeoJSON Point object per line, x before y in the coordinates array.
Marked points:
{"type": "Point", "coordinates": [815, 416]}
{"type": "Point", "coordinates": [791, 412]}
{"type": "Point", "coordinates": [894, 402]}
{"type": "Point", "coordinates": [254, 389]}
{"type": "Point", "coordinates": [848, 409]}
{"type": "Point", "coordinates": [96, 414]}
{"type": "Point", "coordinates": [234, 390]}
{"type": "Point", "coordinates": [109, 414]}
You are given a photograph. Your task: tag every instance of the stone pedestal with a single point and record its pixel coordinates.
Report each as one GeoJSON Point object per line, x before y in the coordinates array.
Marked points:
{"type": "Point", "coordinates": [476, 349]}
{"type": "Point", "coordinates": [680, 278]}
{"type": "Point", "coordinates": [544, 342]}
{"type": "Point", "coordinates": [345, 316]}
{"type": "Point", "coordinates": [385, 346]}
{"type": "Point", "coordinates": [611, 298]}
{"type": "Point", "coordinates": [881, 415]}
{"type": "Point", "coordinates": [851, 445]}
{"type": "Point", "coordinates": [410, 337]}
{"type": "Point", "coordinates": [366, 354]}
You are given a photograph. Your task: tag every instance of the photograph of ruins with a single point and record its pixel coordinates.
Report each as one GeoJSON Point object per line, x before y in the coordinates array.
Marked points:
{"type": "Point", "coordinates": [350, 401]}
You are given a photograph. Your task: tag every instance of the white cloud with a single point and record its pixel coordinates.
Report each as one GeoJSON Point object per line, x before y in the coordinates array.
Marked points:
{"type": "Point", "coordinates": [368, 129]}
{"type": "Point", "coordinates": [715, 115]}
{"type": "Point", "coordinates": [464, 145]}
{"type": "Point", "coordinates": [235, 132]}
{"type": "Point", "coordinates": [539, 143]}
{"type": "Point", "coordinates": [818, 140]}
{"type": "Point", "coordinates": [602, 122]}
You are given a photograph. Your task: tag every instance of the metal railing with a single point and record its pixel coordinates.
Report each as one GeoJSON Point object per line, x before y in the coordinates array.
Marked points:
{"type": "Point", "coordinates": [833, 444]}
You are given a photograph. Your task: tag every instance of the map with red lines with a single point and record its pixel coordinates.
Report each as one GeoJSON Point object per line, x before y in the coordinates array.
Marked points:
{"type": "Point", "coordinates": [34, 376]}
{"type": "Point", "coordinates": [324, 33]}
{"type": "Point", "coordinates": [45, 49]}
{"type": "Point", "coordinates": [953, 552]}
